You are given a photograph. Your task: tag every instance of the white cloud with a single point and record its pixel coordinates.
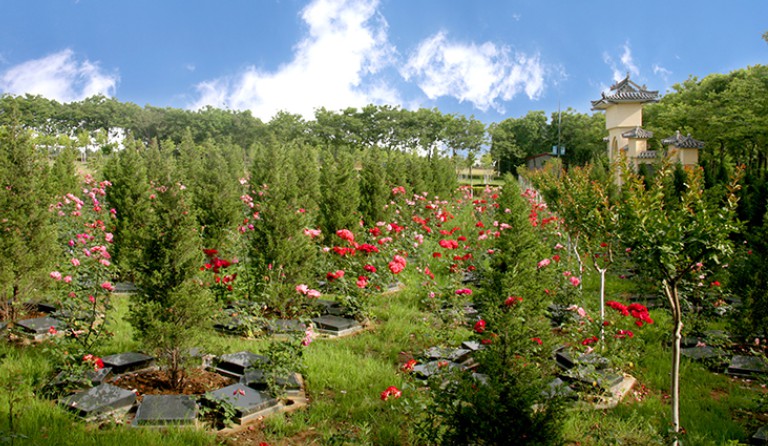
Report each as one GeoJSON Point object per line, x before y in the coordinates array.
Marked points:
{"type": "Point", "coordinates": [481, 74]}
{"type": "Point", "coordinates": [346, 42]}
{"type": "Point", "coordinates": [58, 76]}
{"type": "Point", "coordinates": [661, 71]}
{"type": "Point", "coordinates": [626, 64]}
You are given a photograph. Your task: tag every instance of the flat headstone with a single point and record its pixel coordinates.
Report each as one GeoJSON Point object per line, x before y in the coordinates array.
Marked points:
{"type": "Point", "coordinates": [761, 436]}
{"type": "Point", "coordinates": [244, 399]}
{"type": "Point", "coordinates": [481, 378]}
{"type": "Point", "coordinates": [125, 287]}
{"type": "Point", "coordinates": [599, 362]}
{"type": "Point", "coordinates": [336, 324]}
{"type": "Point", "coordinates": [557, 387]}
{"type": "Point", "coordinates": [590, 375]}
{"type": "Point", "coordinates": [38, 327]}
{"type": "Point", "coordinates": [329, 307]}
{"type": "Point", "coordinates": [235, 364]}
{"type": "Point", "coordinates": [158, 410]}
{"type": "Point", "coordinates": [257, 380]}
{"type": "Point", "coordinates": [701, 353]}
{"type": "Point", "coordinates": [747, 366]}
{"type": "Point", "coordinates": [564, 360]}
{"type": "Point", "coordinates": [472, 345]}
{"type": "Point", "coordinates": [452, 354]}
{"type": "Point", "coordinates": [424, 371]}
{"type": "Point", "coordinates": [128, 362]}
{"type": "Point", "coordinates": [286, 326]}
{"type": "Point", "coordinates": [468, 277]}
{"type": "Point", "coordinates": [46, 307]}
{"type": "Point", "coordinates": [99, 400]}
{"type": "Point", "coordinates": [90, 379]}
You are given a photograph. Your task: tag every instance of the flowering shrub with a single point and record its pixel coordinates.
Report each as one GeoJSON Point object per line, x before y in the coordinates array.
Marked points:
{"type": "Point", "coordinates": [84, 268]}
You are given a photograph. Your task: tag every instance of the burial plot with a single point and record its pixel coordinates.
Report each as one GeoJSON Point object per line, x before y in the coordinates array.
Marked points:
{"type": "Point", "coordinates": [747, 366]}
{"type": "Point", "coordinates": [472, 345]}
{"type": "Point", "coordinates": [701, 353]}
{"type": "Point", "coordinates": [46, 307]}
{"type": "Point", "coordinates": [761, 436]}
{"type": "Point", "coordinates": [286, 326]}
{"type": "Point", "coordinates": [329, 307]}
{"type": "Point", "coordinates": [247, 402]}
{"type": "Point", "coordinates": [38, 328]}
{"type": "Point", "coordinates": [125, 287]}
{"type": "Point", "coordinates": [336, 325]}
{"type": "Point", "coordinates": [451, 354]}
{"type": "Point", "coordinates": [558, 388]}
{"type": "Point", "coordinates": [162, 410]}
{"type": "Point", "coordinates": [425, 371]}
{"type": "Point", "coordinates": [101, 400]}
{"type": "Point", "coordinates": [257, 380]}
{"type": "Point", "coordinates": [128, 362]}
{"type": "Point", "coordinates": [234, 365]}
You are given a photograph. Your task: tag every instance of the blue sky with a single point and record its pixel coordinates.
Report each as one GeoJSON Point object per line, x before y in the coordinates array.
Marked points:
{"type": "Point", "coordinates": [489, 58]}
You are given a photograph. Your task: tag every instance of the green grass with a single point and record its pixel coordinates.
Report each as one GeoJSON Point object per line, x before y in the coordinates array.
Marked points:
{"type": "Point", "coordinates": [345, 376]}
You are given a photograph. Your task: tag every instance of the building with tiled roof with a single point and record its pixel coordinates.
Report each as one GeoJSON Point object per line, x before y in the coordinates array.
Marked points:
{"type": "Point", "coordinates": [623, 106]}
{"type": "Point", "coordinates": [683, 149]}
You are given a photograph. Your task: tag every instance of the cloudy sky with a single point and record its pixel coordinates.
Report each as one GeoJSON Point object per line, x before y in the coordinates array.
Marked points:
{"type": "Point", "coordinates": [492, 58]}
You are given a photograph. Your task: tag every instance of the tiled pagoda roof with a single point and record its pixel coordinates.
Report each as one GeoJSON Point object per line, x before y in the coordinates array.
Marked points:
{"type": "Point", "coordinates": [683, 142]}
{"type": "Point", "coordinates": [625, 91]}
{"type": "Point", "coordinates": [638, 133]}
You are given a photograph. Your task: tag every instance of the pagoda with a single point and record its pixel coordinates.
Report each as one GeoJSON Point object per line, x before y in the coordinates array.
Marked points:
{"type": "Point", "coordinates": [623, 107]}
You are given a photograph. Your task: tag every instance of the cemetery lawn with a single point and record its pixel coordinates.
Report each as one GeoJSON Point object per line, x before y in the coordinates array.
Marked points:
{"type": "Point", "coordinates": [345, 377]}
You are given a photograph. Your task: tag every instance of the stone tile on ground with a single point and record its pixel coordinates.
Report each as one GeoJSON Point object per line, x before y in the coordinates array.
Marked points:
{"type": "Point", "coordinates": [257, 380]}
{"type": "Point", "coordinates": [761, 436]}
{"type": "Point", "coordinates": [163, 410]}
{"type": "Point", "coordinates": [286, 326]}
{"type": "Point", "coordinates": [747, 366]}
{"type": "Point", "coordinates": [101, 400]}
{"type": "Point", "coordinates": [235, 364]}
{"type": "Point", "coordinates": [701, 353]}
{"type": "Point", "coordinates": [424, 371]}
{"type": "Point", "coordinates": [128, 362]}
{"type": "Point", "coordinates": [38, 328]}
{"type": "Point", "coordinates": [247, 402]}
{"type": "Point", "coordinates": [336, 325]}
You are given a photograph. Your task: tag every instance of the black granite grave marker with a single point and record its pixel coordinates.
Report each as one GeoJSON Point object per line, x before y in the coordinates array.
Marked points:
{"type": "Point", "coordinates": [244, 399]}
{"type": "Point", "coordinates": [747, 366]}
{"type": "Point", "coordinates": [235, 364]}
{"type": "Point", "coordinates": [39, 327]}
{"type": "Point", "coordinates": [335, 324]}
{"type": "Point", "coordinates": [128, 362]}
{"type": "Point", "coordinates": [99, 400]}
{"type": "Point", "coordinates": [159, 410]}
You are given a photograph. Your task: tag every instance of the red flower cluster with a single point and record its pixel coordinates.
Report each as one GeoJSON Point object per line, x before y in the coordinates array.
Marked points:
{"type": "Point", "coordinates": [370, 268]}
{"type": "Point", "coordinates": [624, 334]}
{"type": "Point", "coordinates": [408, 366]}
{"type": "Point", "coordinates": [480, 326]}
{"type": "Point", "coordinates": [338, 274]}
{"type": "Point", "coordinates": [362, 282]}
{"type": "Point", "coordinates": [511, 300]}
{"type": "Point", "coordinates": [537, 340]}
{"type": "Point", "coordinates": [367, 248]}
{"type": "Point", "coordinates": [397, 264]}
{"type": "Point", "coordinates": [463, 291]}
{"type": "Point", "coordinates": [346, 234]}
{"type": "Point", "coordinates": [391, 391]}
{"type": "Point", "coordinates": [589, 341]}
{"type": "Point", "coordinates": [343, 252]}
{"type": "Point", "coordinates": [98, 364]}
{"type": "Point", "coordinates": [638, 311]}
{"type": "Point", "coordinates": [449, 244]}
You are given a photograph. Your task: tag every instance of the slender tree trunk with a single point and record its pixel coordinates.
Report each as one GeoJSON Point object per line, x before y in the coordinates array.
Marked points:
{"type": "Point", "coordinates": [670, 289]}
{"type": "Point", "coordinates": [602, 306]}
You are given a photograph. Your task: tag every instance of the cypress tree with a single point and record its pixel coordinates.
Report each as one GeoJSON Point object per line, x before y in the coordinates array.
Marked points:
{"type": "Point", "coordinates": [374, 192]}
{"type": "Point", "coordinates": [172, 309]}
{"type": "Point", "coordinates": [27, 232]}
